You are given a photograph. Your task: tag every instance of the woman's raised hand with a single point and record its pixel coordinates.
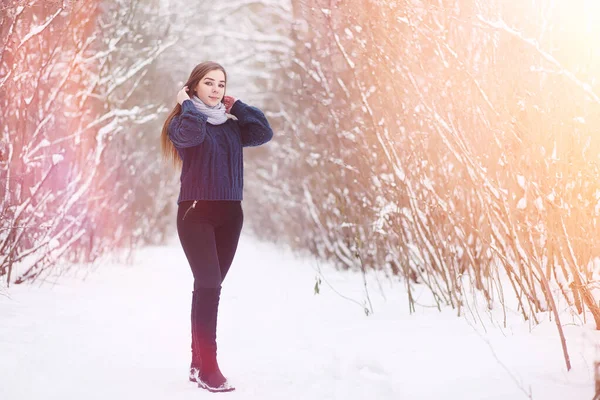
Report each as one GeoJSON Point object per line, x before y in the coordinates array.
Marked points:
{"type": "Point", "coordinates": [228, 101]}
{"type": "Point", "coordinates": [182, 95]}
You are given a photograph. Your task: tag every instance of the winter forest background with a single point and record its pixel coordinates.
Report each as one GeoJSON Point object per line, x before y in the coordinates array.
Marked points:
{"type": "Point", "coordinates": [446, 143]}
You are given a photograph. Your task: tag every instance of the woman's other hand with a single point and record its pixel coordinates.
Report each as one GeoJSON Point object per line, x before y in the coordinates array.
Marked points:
{"type": "Point", "coordinates": [182, 95]}
{"type": "Point", "coordinates": [228, 101]}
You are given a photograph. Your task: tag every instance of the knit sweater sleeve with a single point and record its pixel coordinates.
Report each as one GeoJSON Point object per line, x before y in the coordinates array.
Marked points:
{"type": "Point", "coordinates": [254, 127]}
{"type": "Point", "coordinates": [188, 129]}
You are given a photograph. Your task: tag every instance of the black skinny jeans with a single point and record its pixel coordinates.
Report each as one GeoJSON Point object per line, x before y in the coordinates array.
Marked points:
{"type": "Point", "coordinates": [209, 234]}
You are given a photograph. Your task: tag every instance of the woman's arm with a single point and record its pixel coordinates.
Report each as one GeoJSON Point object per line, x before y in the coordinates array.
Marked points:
{"type": "Point", "coordinates": [254, 127]}
{"type": "Point", "coordinates": [188, 129]}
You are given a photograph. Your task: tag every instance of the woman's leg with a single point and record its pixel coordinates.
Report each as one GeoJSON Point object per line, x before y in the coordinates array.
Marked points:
{"type": "Point", "coordinates": [227, 237]}
{"type": "Point", "coordinates": [197, 236]}
{"type": "Point", "coordinates": [198, 241]}
{"type": "Point", "coordinates": [200, 247]}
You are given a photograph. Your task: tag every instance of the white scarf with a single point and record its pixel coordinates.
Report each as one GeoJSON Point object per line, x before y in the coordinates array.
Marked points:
{"type": "Point", "coordinates": [216, 115]}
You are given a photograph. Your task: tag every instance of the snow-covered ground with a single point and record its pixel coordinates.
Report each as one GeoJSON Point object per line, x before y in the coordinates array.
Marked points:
{"type": "Point", "coordinates": [123, 333]}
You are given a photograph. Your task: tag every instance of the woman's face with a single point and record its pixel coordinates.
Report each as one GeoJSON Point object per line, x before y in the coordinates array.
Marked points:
{"type": "Point", "coordinates": [211, 87]}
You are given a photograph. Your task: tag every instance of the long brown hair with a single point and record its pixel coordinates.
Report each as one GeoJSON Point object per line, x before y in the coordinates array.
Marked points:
{"type": "Point", "coordinates": [168, 149]}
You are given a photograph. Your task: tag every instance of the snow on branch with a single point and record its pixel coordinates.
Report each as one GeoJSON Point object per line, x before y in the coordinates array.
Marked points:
{"type": "Point", "coordinates": [501, 26]}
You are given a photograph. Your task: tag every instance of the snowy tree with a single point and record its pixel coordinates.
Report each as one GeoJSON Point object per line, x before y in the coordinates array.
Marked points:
{"type": "Point", "coordinates": [449, 142]}
{"type": "Point", "coordinates": [67, 73]}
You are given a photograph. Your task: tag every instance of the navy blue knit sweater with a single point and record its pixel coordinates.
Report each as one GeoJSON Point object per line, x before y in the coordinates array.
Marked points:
{"type": "Point", "coordinates": [213, 165]}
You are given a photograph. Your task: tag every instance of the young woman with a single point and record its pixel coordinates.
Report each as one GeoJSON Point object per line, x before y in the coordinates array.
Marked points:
{"type": "Point", "coordinates": [200, 137]}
